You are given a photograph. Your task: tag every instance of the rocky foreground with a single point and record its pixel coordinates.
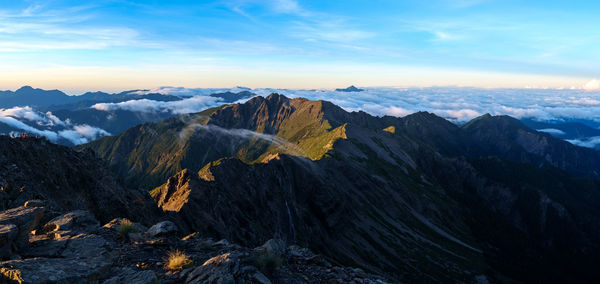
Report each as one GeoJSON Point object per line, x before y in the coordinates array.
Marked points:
{"type": "Point", "coordinates": [75, 248]}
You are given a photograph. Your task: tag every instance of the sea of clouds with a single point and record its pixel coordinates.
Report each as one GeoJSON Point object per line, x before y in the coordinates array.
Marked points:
{"type": "Point", "coordinates": [456, 104]}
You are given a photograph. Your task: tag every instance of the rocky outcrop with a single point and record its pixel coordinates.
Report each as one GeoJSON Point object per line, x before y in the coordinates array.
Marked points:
{"type": "Point", "coordinates": [15, 226]}
{"type": "Point", "coordinates": [73, 248]}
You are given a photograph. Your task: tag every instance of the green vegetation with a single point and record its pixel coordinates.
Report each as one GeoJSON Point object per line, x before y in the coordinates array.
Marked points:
{"type": "Point", "coordinates": [126, 227]}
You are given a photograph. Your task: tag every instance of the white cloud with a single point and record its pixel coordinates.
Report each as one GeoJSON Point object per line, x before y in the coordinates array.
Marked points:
{"type": "Point", "coordinates": [396, 111]}
{"type": "Point", "coordinates": [453, 103]}
{"type": "Point", "coordinates": [552, 131]}
{"type": "Point", "coordinates": [591, 142]}
{"type": "Point", "coordinates": [26, 112]}
{"type": "Point", "coordinates": [51, 135]}
{"type": "Point", "coordinates": [55, 128]}
{"type": "Point", "coordinates": [592, 85]}
{"type": "Point", "coordinates": [82, 134]}
{"type": "Point", "coordinates": [188, 105]}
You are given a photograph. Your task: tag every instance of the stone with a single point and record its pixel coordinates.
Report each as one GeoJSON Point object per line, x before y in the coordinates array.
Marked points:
{"type": "Point", "coordinates": [161, 229]}
{"type": "Point", "coordinates": [44, 248]}
{"type": "Point", "coordinates": [274, 246]}
{"type": "Point", "coordinates": [128, 275]}
{"type": "Point", "coordinates": [79, 221]}
{"type": "Point", "coordinates": [53, 270]}
{"type": "Point", "coordinates": [8, 233]}
{"type": "Point", "coordinates": [260, 278]}
{"type": "Point", "coordinates": [26, 219]}
{"type": "Point", "coordinates": [219, 269]}
{"type": "Point", "coordinates": [85, 246]}
{"type": "Point", "coordinates": [35, 203]}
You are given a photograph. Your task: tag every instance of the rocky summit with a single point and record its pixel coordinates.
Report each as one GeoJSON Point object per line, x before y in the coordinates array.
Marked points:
{"type": "Point", "coordinates": [280, 190]}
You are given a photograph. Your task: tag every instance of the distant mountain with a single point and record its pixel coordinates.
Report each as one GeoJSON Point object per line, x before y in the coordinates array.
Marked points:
{"type": "Point", "coordinates": [415, 198]}
{"type": "Point", "coordinates": [230, 97]}
{"type": "Point", "coordinates": [349, 89]}
{"type": "Point", "coordinates": [55, 99]}
{"type": "Point", "coordinates": [71, 120]}
{"type": "Point", "coordinates": [33, 97]}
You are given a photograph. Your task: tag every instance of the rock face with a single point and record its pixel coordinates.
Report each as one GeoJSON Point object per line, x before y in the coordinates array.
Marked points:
{"type": "Point", "coordinates": [428, 200]}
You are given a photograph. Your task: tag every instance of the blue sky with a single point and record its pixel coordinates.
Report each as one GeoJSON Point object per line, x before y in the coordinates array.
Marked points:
{"type": "Point", "coordinates": [115, 45]}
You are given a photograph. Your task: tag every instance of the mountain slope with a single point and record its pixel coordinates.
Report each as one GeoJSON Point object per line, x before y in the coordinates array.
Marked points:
{"type": "Point", "coordinates": [417, 198]}
{"type": "Point", "coordinates": [33, 168]}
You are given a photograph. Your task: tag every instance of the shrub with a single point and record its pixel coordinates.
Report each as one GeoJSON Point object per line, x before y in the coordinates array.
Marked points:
{"type": "Point", "coordinates": [267, 261]}
{"type": "Point", "coordinates": [177, 260]}
{"type": "Point", "coordinates": [126, 227]}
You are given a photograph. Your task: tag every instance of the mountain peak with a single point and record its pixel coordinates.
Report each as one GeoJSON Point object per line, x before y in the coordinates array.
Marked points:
{"type": "Point", "coordinates": [352, 88]}
{"type": "Point", "coordinates": [24, 89]}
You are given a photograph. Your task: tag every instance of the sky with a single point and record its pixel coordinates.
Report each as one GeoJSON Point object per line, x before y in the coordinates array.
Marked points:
{"type": "Point", "coordinates": [118, 45]}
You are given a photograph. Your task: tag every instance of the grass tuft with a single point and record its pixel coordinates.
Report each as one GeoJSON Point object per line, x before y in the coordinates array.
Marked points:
{"type": "Point", "coordinates": [126, 227]}
{"type": "Point", "coordinates": [177, 260]}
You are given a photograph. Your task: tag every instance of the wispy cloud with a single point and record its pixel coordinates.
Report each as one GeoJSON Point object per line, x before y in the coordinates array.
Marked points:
{"type": "Point", "coordinates": [188, 105]}
{"type": "Point", "coordinates": [41, 28]}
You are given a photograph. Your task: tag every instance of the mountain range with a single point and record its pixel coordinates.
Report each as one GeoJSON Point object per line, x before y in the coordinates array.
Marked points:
{"type": "Point", "coordinates": [70, 120]}
{"type": "Point", "coordinates": [415, 198]}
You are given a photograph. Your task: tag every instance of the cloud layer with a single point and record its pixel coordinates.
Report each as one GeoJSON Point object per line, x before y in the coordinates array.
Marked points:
{"type": "Point", "coordinates": [49, 125]}
{"type": "Point", "coordinates": [456, 104]}
{"type": "Point", "coordinates": [188, 105]}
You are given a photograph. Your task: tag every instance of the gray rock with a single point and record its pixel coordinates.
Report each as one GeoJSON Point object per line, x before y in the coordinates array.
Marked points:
{"type": "Point", "coordinates": [26, 219]}
{"type": "Point", "coordinates": [128, 275]}
{"type": "Point", "coordinates": [73, 223]}
{"type": "Point", "coordinates": [54, 270]}
{"type": "Point", "coordinates": [258, 277]}
{"type": "Point", "coordinates": [219, 269]}
{"type": "Point", "coordinates": [34, 203]}
{"type": "Point", "coordinates": [164, 228]}
{"type": "Point", "coordinates": [44, 248]}
{"type": "Point", "coordinates": [8, 233]}
{"type": "Point", "coordinates": [274, 246]}
{"type": "Point", "coordinates": [85, 246]}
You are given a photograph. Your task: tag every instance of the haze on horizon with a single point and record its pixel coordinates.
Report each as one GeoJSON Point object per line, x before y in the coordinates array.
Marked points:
{"type": "Point", "coordinates": [77, 46]}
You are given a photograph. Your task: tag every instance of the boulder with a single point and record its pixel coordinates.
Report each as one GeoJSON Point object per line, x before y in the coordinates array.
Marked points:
{"type": "Point", "coordinates": [219, 269]}
{"type": "Point", "coordinates": [162, 229]}
{"type": "Point", "coordinates": [25, 219]}
{"type": "Point", "coordinates": [54, 270]}
{"type": "Point", "coordinates": [274, 246]}
{"type": "Point", "coordinates": [73, 223]}
{"type": "Point", "coordinates": [85, 246]}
